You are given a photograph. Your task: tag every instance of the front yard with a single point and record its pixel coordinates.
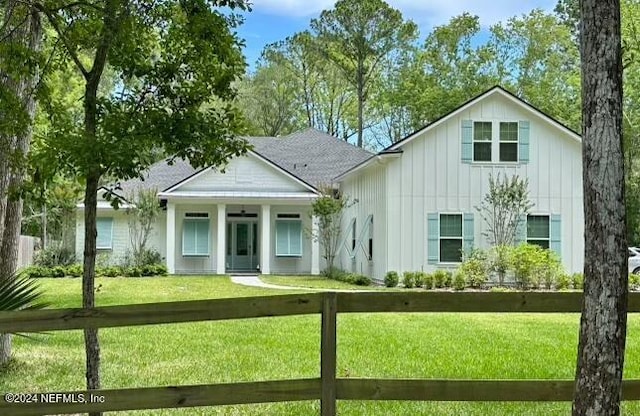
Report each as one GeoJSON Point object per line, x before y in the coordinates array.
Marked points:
{"type": "Point", "coordinates": [479, 346]}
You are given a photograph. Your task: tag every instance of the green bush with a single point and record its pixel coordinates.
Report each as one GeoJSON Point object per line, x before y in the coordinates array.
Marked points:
{"type": "Point", "coordinates": [148, 257]}
{"type": "Point", "coordinates": [408, 279]}
{"type": "Point", "coordinates": [577, 281]}
{"type": "Point", "coordinates": [109, 271]}
{"type": "Point", "coordinates": [563, 282]}
{"type": "Point", "coordinates": [356, 279]}
{"type": "Point", "coordinates": [474, 269]}
{"type": "Point", "coordinates": [74, 270]}
{"type": "Point", "coordinates": [419, 278]}
{"type": "Point", "coordinates": [54, 256]}
{"type": "Point", "coordinates": [459, 282]}
{"type": "Point", "coordinates": [58, 271]}
{"type": "Point", "coordinates": [427, 281]}
{"type": "Point", "coordinates": [161, 270]}
{"type": "Point", "coordinates": [133, 271]}
{"type": "Point", "coordinates": [634, 281]}
{"type": "Point", "coordinates": [448, 278]}
{"type": "Point", "coordinates": [391, 279]}
{"type": "Point", "coordinates": [534, 266]}
{"type": "Point", "coordinates": [361, 280]}
{"type": "Point", "coordinates": [36, 271]}
{"type": "Point", "coordinates": [439, 278]}
{"type": "Point", "coordinates": [334, 273]}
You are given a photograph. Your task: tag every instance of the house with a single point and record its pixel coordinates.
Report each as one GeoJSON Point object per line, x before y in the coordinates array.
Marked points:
{"type": "Point", "coordinates": [252, 215]}
{"type": "Point", "coordinates": [413, 205]}
{"type": "Point", "coordinates": [417, 199]}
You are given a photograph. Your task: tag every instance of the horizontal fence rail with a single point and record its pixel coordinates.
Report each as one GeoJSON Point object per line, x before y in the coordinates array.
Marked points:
{"type": "Point", "coordinates": [328, 388]}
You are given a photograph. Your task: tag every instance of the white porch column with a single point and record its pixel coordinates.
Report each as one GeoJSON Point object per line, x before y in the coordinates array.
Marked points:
{"type": "Point", "coordinates": [221, 259]}
{"type": "Point", "coordinates": [315, 247]}
{"type": "Point", "coordinates": [265, 239]}
{"type": "Point", "coordinates": [171, 237]}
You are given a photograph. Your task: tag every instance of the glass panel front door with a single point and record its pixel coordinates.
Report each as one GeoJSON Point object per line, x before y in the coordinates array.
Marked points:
{"type": "Point", "coordinates": [242, 246]}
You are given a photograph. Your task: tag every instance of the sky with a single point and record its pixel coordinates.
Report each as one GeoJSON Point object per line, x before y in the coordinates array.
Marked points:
{"type": "Point", "coordinates": [274, 20]}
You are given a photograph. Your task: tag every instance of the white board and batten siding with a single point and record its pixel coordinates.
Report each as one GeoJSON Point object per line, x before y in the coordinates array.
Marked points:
{"type": "Point", "coordinates": [432, 177]}
{"type": "Point", "coordinates": [367, 198]}
{"type": "Point", "coordinates": [246, 173]}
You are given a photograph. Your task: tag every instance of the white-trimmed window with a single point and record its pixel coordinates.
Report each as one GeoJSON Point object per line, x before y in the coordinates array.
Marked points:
{"type": "Point", "coordinates": [195, 234]}
{"type": "Point", "coordinates": [288, 235]}
{"type": "Point", "coordinates": [104, 241]}
{"type": "Point", "coordinates": [509, 141]}
{"type": "Point", "coordinates": [482, 136]}
{"type": "Point", "coordinates": [450, 238]}
{"type": "Point", "coordinates": [538, 230]}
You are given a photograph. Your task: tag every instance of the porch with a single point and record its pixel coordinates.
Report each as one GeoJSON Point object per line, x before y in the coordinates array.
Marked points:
{"type": "Point", "coordinates": [226, 237]}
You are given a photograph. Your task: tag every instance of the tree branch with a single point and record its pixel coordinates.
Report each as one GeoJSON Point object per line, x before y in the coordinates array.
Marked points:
{"type": "Point", "coordinates": [51, 17]}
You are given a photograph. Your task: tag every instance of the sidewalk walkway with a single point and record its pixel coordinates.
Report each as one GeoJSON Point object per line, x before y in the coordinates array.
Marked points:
{"type": "Point", "coordinates": [256, 282]}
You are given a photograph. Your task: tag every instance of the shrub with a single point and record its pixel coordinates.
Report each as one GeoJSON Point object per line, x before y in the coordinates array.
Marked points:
{"type": "Point", "coordinates": [149, 257]}
{"type": "Point", "coordinates": [36, 271]}
{"type": "Point", "coordinates": [474, 269]}
{"type": "Point", "coordinates": [439, 277]}
{"type": "Point", "coordinates": [563, 281]}
{"type": "Point", "coordinates": [634, 281]}
{"type": "Point", "coordinates": [161, 270]}
{"type": "Point", "coordinates": [356, 279]}
{"type": "Point", "coordinates": [133, 271]}
{"type": "Point", "coordinates": [534, 265]}
{"type": "Point", "coordinates": [419, 278]}
{"type": "Point", "coordinates": [459, 282]}
{"type": "Point", "coordinates": [74, 270]}
{"type": "Point", "coordinates": [58, 271]}
{"type": "Point", "coordinates": [361, 280]}
{"type": "Point", "coordinates": [54, 256]}
{"type": "Point", "coordinates": [109, 271]}
{"type": "Point", "coordinates": [391, 279]}
{"type": "Point", "coordinates": [577, 281]}
{"type": "Point", "coordinates": [448, 278]}
{"type": "Point", "coordinates": [408, 279]}
{"type": "Point", "coordinates": [427, 280]}
{"type": "Point", "coordinates": [334, 273]}
{"type": "Point", "coordinates": [499, 260]}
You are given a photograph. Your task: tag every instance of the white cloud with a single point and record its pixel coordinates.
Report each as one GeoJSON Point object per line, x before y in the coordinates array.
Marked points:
{"type": "Point", "coordinates": [423, 12]}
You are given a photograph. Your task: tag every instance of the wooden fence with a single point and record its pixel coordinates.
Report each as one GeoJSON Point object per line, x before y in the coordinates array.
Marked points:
{"type": "Point", "coordinates": [26, 250]}
{"type": "Point", "coordinates": [327, 388]}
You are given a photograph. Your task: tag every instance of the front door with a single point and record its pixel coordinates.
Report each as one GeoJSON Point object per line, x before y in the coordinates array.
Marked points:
{"type": "Point", "coordinates": [242, 245]}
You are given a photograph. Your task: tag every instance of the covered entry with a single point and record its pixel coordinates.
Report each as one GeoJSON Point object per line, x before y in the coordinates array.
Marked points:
{"type": "Point", "coordinates": [242, 241]}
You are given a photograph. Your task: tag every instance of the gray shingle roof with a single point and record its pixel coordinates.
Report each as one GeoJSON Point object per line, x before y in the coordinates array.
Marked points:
{"type": "Point", "coordinates": [311, 155]}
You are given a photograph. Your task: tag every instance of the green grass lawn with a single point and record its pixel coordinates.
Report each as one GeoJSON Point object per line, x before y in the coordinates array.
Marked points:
{"type": "Point", "coordinates": [316, 282]}
{"type": "Point", "coordinates": [478, 346]}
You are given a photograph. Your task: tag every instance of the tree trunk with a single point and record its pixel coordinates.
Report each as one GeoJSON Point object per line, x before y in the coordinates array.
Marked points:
{"type": "Point", "coordinates": [604, 310]}
{"type": "Point", "coordinates": [92, 345]}
{"type": "Point", "coordinates": [361, 100]}
{"type": "Point", "coordinates": [29, 35]}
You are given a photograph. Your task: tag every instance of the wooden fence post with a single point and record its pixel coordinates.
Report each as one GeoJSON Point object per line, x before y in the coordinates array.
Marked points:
{"type": "Point", "coordinates": [328, 354]}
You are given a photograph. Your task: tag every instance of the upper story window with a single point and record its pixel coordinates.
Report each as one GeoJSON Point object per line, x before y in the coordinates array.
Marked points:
{"type": "Point", "coordinates": [495, 141]}
{"type": "Point", "coordinates": [508, 141]}
{"type": "Point", "coordinates": [482, 141]}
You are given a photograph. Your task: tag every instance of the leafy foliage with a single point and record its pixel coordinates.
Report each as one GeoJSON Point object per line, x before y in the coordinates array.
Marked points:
{"type": "Point", "coordinates": [19, 292]}
{"type": "Point", "coordinates": [357, 36]}
{"type": "Point", "coordinates": [142, 214]}
{"type": "Point", "coordinates": [474, 269]}
{"type": "Point", "coordinates": [391, 279]}
{"type": "Point", "coordinates": [504, 205]}
{"type": "Point", "coordinates": [328, 209]}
